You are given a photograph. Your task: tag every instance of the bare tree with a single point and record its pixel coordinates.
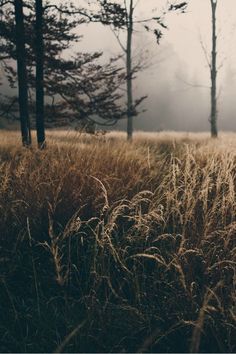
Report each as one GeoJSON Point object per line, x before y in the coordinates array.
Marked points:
{"type": "Point", "coordinates": [213, 67]}
{"type": "Point", "coordinates": [129, 71]}
{"type": "Point", "coordinates": [22, 72]}
{"type": "Point", "coordinates": [121, 15]}
{"type": "Point", "coordinates": [211, 61]}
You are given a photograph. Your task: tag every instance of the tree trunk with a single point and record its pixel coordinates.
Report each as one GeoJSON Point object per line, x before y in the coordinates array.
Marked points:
{"type": "Point", "coordinates": [22, 73]}
{"type": "Point", "coordinates": [39, 50]}
{"type": "Point", "coordinates": [213, 119]}
{"type": "Point", "coordinates": [129, 73]}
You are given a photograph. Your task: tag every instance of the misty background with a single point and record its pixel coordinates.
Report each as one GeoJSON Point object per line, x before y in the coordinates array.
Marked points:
{"type": "Point", "coordinates": [176, 77]}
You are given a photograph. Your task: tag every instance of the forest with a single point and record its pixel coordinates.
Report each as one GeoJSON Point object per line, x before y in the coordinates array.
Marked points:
{"type": "Point", "coordinates": [114, 239]}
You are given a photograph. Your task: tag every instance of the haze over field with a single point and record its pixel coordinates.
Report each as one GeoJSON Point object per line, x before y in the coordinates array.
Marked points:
{"type": "Point", "coordinates": [178, 63]}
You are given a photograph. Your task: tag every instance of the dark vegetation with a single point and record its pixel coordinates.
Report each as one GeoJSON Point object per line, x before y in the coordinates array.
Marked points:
{"type": "Point", "coordinates": [112, 247]}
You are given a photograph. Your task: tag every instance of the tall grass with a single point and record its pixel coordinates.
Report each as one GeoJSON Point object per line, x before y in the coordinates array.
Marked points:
{"type": "Point", "coordinates": [108, 246]}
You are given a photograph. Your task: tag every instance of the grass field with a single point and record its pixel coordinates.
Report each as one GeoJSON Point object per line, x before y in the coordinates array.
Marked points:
{"type": "Point", "coordinates": [108, 246]}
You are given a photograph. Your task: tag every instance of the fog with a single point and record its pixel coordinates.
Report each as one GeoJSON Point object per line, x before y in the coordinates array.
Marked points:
{"type": "Point", "coordinates": [177, 76]}
{"type": "Point", "coordinates": [177, 80]}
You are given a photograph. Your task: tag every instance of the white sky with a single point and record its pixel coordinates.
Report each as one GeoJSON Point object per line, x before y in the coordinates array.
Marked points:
{"type": "Point", "coordinates": [185, 31]}
{"type": "Point", "coordinates": [180, 60]}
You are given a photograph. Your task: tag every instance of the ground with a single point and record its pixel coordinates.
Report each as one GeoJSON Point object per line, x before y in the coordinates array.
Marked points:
{"type": "Point", "coordinates": [109, 246]}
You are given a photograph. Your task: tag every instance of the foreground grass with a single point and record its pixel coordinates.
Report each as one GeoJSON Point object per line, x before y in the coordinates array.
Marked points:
{"type": "Point", "coordinates": [114, 247]}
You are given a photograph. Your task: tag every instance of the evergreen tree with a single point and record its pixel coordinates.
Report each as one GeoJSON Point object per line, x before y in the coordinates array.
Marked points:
{"type": "Point", "coordinates": [78, 88]}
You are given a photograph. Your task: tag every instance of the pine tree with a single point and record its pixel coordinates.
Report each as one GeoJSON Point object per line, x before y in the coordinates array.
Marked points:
{"type": "Point", "coordinates": [79, 88]}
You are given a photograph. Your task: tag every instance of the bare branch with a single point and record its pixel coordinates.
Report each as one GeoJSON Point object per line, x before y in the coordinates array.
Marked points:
{"type": "Point", "coordinates": [205, 51]}
{"type": "Point", "coordinates": [118, 39]}
{"type": "Point", "coordinates": [192, 85]}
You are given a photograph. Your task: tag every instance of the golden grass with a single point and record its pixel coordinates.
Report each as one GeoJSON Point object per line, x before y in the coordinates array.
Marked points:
{"type": "Point", "coordinates": [116, 247]}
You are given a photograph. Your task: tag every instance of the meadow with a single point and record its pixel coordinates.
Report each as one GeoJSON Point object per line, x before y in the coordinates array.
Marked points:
{"type": "Point", "coordinates": [110, 246]}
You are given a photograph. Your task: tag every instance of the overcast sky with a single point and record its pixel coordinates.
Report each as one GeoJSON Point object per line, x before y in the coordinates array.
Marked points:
{"type": "Point", "coordinates": [178, 63]}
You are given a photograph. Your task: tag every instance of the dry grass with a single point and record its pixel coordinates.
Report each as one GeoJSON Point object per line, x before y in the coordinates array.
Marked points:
{"type": "Point", "coordinates": [114, 247]}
